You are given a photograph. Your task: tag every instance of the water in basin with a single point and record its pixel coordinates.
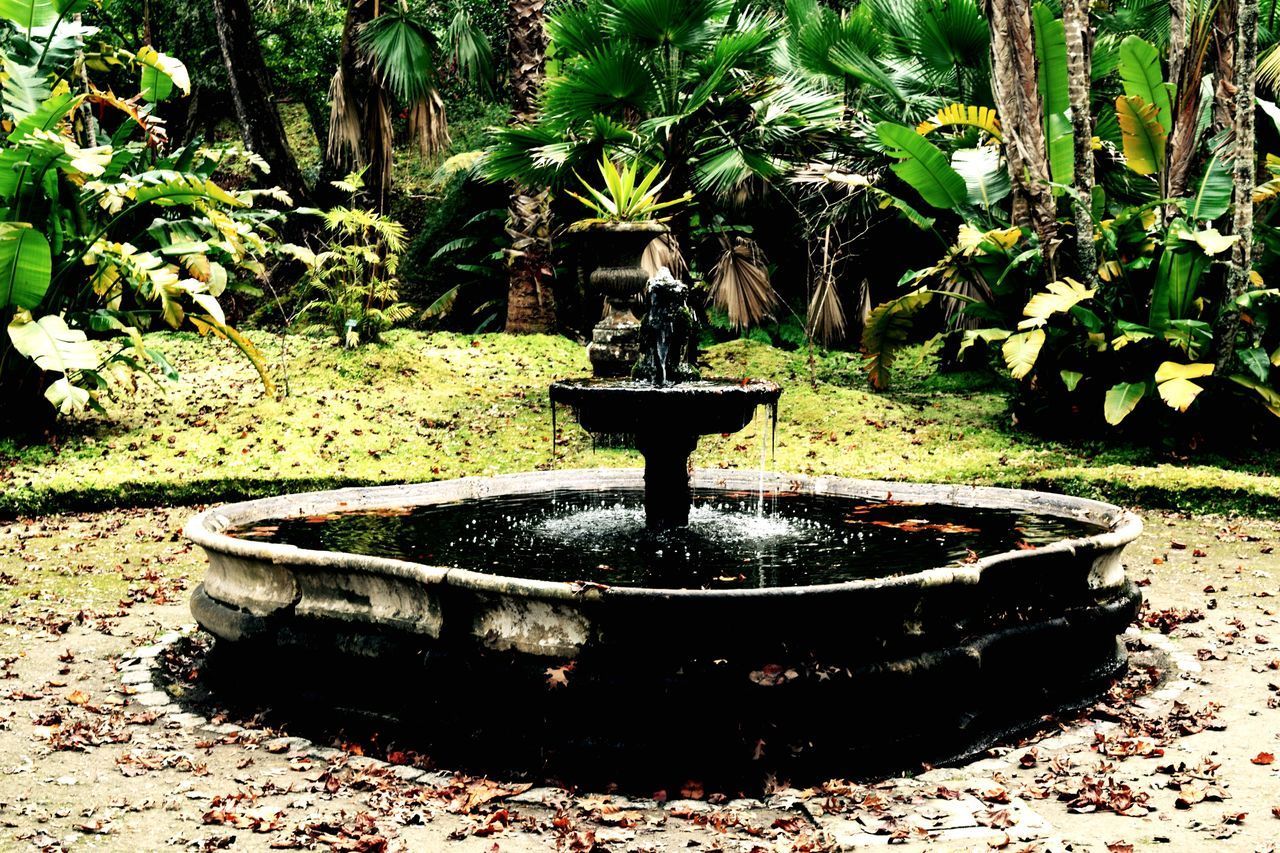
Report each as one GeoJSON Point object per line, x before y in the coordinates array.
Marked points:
{"type": "Point", "coordinates": [730, 543]}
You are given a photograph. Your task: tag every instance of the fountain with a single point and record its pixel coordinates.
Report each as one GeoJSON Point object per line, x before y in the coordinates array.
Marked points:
{"type": "Point", "coordinates": [848, 627]}
{"type": "Point", "coordinates": [667, 405]}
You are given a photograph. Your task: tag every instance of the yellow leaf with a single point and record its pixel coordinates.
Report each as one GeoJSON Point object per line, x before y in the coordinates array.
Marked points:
{"type": "Point", "coordinates": [1109, 270]}
{"type": "Point", "coordinates": [969, 239]}
{"type": "Point", "coordinates": [1058, 297]}
{"type": "Point", "coordinates": [1005, 238]}
{"type": "Point", "coordinates": [1173, 370]}
{"type": "Point", "coordinates": [1179, 393]}
{"type": "Point", "coordinates": [1143, 136]}
{"type": "Point", "coordinates": [1021, 351]}
{"type": "Point", "coordinates": [1212, 242]}
{"type": "Point", "coordinates": [983, 118]}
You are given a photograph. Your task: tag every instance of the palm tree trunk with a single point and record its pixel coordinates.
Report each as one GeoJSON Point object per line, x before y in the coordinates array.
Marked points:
{"type": "Point", "coordinates": [1079, 38]}
{"type": "Point", "coordinates": [1225, 30]}
{"type": "Point", "coordinates": [1186, 62]}
{"type": "Point", "coordinates": [1243, 169]}
{"type": "Point", "coordinates": [1017, 95]}
{"type": "Point", "coordinates": [352, 110]}
{"type": "Point", "coordinates": [531, 306]}
{"type": "Point", "coordinates": [1177, 42]}
{"type": "Point", "coordinates": [250, 85]}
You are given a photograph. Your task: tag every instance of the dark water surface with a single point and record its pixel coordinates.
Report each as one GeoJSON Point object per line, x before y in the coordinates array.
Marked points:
{"type": "Point", "coordinates": [734, 539]}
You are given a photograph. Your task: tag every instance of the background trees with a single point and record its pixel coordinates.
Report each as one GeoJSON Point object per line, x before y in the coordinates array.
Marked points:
{"type": "Point", "coordinates": [1064, 191]}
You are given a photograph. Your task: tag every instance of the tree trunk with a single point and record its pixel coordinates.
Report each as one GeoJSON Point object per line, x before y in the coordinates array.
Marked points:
{"type": "Point", "coordinates": [1177, 41]}
{"type": "Point", "coordinates": [1185, 69]}
{"type": "Point", "coordinates": [353, 106]}
{"type": "Point", "coordinates": [250, 86]}
{"type": "Point", "coordinates": [1224, 46]}
{"type": "Point", "coordinates": [1079, 38]}
{"type": "Point", "coordinates": [1017, 94]}
{"type": "Point", "coordinates": [531, 306]}
{"type": "Point", "coordinates": [1243, 172]}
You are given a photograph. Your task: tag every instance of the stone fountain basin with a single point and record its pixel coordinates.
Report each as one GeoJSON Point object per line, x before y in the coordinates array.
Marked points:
{"type": "Point", "coordinates": [700, 407]}
{"type": "Point", "coordinates": [1071, 594]}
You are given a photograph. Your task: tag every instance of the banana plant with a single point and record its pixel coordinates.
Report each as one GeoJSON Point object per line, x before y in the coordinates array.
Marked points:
{"type": "Point", "coordinates": [103, 238]}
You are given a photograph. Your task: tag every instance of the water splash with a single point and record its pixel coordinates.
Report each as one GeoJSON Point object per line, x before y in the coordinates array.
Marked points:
{"type": "Point", "coordinates": [588, 525]}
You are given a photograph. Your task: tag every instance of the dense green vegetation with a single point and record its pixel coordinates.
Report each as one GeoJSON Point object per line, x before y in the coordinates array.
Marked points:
{"type": "Point", "coordinates": [1077, 197]}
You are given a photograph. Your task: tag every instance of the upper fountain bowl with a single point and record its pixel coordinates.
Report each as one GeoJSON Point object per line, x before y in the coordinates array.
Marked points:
{"type": "Point", "coordinates": [698, 407]}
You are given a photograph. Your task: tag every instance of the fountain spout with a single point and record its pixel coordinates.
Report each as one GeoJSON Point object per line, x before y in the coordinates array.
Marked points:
{"type": "Point", "coordinates": [668, 333]}
{"type": "Point", "coordinates": [666, 406]}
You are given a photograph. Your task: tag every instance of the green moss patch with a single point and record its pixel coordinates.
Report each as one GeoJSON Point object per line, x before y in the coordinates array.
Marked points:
{"type": "Point", "coordinates": [430, 406]}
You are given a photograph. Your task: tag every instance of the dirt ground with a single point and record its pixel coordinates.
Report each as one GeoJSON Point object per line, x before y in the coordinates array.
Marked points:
{"type": "Point", "coordinates": [89, 758]}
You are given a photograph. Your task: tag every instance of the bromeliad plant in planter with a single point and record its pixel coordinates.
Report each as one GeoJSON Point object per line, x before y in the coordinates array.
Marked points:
{"type": "Point", "coordinates": [625, 224]}
{"type": "Point", "coordinates": [105, 233]}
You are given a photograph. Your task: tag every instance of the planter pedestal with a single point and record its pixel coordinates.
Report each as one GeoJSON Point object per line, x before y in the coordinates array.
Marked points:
{"type": "Point", "coordinates": [619, 246]}
{"type": "Point", "coordinates": [615, 340]}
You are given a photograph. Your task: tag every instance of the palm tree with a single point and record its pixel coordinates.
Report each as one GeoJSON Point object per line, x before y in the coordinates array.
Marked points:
{"type": "Point", "coordinates": [388, 56]}
{"type": "Point", "coordinates": [531, 306]}
{"type": "Point", "coordinates": [1079, 44]}
{"type": "Point", "coordinates": [693, 85]}
{"type": "Point", "coordinates": [894, 60]}
{"type": "Point", "coordinates": [1244, 167]}
{"type": "Point", "coordinates": [1017, 94]}
{"type": "Point", "coordinates": [255, 105]}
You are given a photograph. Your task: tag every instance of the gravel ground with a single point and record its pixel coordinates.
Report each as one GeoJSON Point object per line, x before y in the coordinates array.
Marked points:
{"type": "Point", "coordinates": [93, 756]}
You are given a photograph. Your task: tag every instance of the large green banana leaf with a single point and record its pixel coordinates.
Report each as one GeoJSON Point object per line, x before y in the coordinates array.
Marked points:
{"type": "Point", "coordinates": [1144, 137]}
{"type": "Point", "coordinates": [29, 14]}
{"type": "Point", "coordinates": [923, 166]}
{"type": "Point", "coordinates": [1121, 400]}
{"type": "Point", "coordinates": [161, 74]}
{"type": "Point", "coordinates": [1177, 279]}
{"type": "Point", "coordinates": [1051, 62]}
{"type": "Point", "coordinates": [1141, 76]}
{"type": "Point", "coordinates": [25, 266]}
{"type": "Point", "coordinates": [1213, 192]}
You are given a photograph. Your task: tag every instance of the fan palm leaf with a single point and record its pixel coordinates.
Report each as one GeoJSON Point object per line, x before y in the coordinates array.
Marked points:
{"type": "Point", "coordinates": [470, 52]}
{"type": "Point", "coordinates": [401, 48]}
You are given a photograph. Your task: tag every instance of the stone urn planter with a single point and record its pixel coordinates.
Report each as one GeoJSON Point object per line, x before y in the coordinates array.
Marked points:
{"type": "Point", "coordinates": [617, 248]}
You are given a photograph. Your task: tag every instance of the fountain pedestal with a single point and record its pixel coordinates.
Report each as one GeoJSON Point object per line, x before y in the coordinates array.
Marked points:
{"type": "Point", "coordinates": [665, 423]}
{"type": "Point", "coordinates": [667, 495]}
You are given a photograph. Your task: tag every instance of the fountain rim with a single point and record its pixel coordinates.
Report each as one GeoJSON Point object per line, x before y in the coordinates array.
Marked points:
{"type": "Point", "coordinates": [205, 529]}
{"type": "Point", "coordinates": [710, 385]}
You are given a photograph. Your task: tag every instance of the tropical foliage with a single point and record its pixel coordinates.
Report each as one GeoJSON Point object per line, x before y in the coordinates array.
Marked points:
{"type": "Point", "coordinates": [352, 280]}
{"type": "Point", "coordinates": [107, 230]}
{"type": "Point", "coordinates": [1146, 330]}
{"type": "Point", "coordinates": [700, 88]}
{"type": "Point", "coordinates": [626, 196]}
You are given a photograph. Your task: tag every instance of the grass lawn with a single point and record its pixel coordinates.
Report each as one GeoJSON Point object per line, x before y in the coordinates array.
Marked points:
{"type": "Point", "coordinates": [428, 406]}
